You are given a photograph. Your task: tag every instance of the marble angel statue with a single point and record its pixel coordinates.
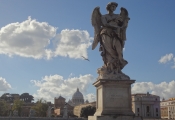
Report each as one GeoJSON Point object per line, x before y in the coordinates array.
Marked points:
{"type": "Point", "coordinates": [110, 32]}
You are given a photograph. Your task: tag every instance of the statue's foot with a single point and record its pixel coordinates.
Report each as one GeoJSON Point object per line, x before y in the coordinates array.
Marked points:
{"type": "Point", "coordinates": [115, 74]}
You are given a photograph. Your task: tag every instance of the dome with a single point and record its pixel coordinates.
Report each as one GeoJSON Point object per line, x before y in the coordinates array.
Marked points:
{"type": "Point", "coordinates": [77, 95]}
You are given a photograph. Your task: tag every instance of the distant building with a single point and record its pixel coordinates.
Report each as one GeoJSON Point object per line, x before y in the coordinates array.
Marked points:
{"type": "Point", "coordinates": [59, 104]}
{"type": "Point", "coordinates": [146, 105]}
{"type": "Point", "coordinates": [25, 97]}
{"type": "Point", "coordinates": [26, 109]}
{"type": "Point", "coordinates": [59, 111]}
{"type": "Point", "coordinates": [168, 108]}
{"type": "Point", "coordinates": [10, 98]}
{"type": "Point", "coordinates": [77, 99]}
{"type": "Point", "coordinates": [77, 109]}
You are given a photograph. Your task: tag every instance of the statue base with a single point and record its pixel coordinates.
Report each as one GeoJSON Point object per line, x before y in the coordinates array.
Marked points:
{"type": "Point", "coordinates": [113, 75]}
{"type": "Point", "coordinates": [114, 117]}
{"type": "Point", "coordinates": [113, 100]}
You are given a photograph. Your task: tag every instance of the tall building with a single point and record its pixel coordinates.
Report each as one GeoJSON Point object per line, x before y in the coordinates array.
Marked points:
{"type": "Point", "coordinates": [146, 105]}
{"type": "Point", "coordinates": [59, 102]}
{"type": "Point", "coordinates": [77, 98]}
{"type": "Point", "coordinates": [168, 108]}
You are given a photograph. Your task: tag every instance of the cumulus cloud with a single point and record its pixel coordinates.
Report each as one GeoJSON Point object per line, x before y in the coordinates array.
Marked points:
{"type": "Point", "coordinates": [164, 89]}
{"type": "Point", "coordinates": [31, 38]}
{"type": "Point", "coordinates": [55, 85]}
{"type": "Point", "coordinates": [166, 58]}
{"type": "Point", "coordinates": [4, 85]}
{"type": "Point", "coordinates": [91, 97]}
{"type": "Point", "coordinates": [174, 63]}
{"type": "Point", "coordinates": [73, 43]}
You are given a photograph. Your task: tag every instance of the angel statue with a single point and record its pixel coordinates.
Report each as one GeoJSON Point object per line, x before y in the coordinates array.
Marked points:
{"type": "Point", "coordinates": [110, 32]}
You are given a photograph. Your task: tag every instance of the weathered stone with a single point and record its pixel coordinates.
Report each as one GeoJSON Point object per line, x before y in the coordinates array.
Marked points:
{"type": "Point", "coordinates": [110, 32]}
{"type": "Point", "coordinates": [113, 117]}
{"type": "Point", "coordinates": [113, 100]}
{"type": "Point", "coordinates": [113, 97]}
{"type": "Point", "coordinates": [104, 74]}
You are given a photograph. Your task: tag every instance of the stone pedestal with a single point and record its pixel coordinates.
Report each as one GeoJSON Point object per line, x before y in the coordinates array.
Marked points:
{"type": "Point", "coordinates": [114, 117]}
{"type": "Point", "coordinates": [113, 100]}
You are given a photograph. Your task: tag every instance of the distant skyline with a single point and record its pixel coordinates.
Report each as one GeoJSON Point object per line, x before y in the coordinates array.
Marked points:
{"type": "Point", "coordinates": [42, 44]}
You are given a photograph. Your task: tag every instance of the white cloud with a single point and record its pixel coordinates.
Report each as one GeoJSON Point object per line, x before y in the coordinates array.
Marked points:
{"type": "Point", "coordinates": [174, 63]}
{"type": "Point", "coordinates": [29, 38]}
{"type": "Point", "coordinates": [38, 40]}
{"type": "Point", "coordinates": [166, 58]}
{"type": "Point", "coordinates": [91, 97]}
{"type": "Point", "coordinates": [4, 85]}
{"type": "Point", "coordinates": [55, 85]}
{"type": "Point", "coordinates": [164, 89]}
{"type": "Point", "coordinates": [73, 43]}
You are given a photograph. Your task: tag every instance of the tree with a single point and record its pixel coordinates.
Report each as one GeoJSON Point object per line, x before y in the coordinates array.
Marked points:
{"type": "Point", "coordinates": [87, 111]}
{"type": "Point", "coordinates": [3, 108]}
{"type": "Point", "coordinates": [17, 105]}
{"type": "Point", "coordinates": [26, 97]}
{"type": "Point", "coordinates": [41, 108]}
{"type": "Point", "coordinates": [7, 97]}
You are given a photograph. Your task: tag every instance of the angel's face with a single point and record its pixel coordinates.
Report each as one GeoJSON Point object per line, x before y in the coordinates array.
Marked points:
{"type": "Point", "coordinates": [112, 8]}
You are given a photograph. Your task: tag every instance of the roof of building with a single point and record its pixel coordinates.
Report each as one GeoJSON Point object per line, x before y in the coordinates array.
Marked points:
{"type": "Point", "coordinates": [144, 94]}
{"type": "Point", "coordinates": [170, 99]}
{"type": "Point", "coordinates": [77, 95]}
{"type": "Point", "coordinates": [60, 97]}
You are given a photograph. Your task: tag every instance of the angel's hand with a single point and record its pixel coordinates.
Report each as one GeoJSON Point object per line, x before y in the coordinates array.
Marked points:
{"type": "Point", "coordinates": [112, 25]}
{"type": "Point", "coordinates": [119, 19]}
{"type": "Point", "coordinates": [110, 20]}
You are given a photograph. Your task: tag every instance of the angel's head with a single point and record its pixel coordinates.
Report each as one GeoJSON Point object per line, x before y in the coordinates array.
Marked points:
{"type": "Point", "coordinates": [111, 6]}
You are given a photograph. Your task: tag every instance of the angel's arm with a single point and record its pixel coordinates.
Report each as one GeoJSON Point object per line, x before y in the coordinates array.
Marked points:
{"type": "Point", "coordinates": [107, 23]}
{"type": "Point", "coordinates": [104, 21]}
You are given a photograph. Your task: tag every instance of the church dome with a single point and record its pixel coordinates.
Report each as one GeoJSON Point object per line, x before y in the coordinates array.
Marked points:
{"type": "Point", "coordinates": [77, 98]}
{"type": "Point", "coordinates": [77, 95]}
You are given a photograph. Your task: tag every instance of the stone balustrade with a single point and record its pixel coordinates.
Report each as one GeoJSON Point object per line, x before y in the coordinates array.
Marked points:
{"type": "Point", "coordinates": [37, 118]}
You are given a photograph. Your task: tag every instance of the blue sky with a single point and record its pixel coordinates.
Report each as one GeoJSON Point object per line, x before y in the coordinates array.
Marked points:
{"type": "Point", "coordinates": [41, 44]}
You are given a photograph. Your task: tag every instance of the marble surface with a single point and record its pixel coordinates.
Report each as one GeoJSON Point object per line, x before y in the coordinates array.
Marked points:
{"type": "Point", "coordinates": [113, 97]}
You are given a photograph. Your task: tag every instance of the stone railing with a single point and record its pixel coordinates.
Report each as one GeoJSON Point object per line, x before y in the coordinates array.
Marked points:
{"type": "Point", "coordinates": [54, 118]}
{"type": "Point", "coordinates": [37, 118]}
{"type": "Point", "coordinates": [158, 119]}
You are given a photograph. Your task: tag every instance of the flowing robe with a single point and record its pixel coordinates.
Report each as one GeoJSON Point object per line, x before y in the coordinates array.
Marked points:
{"type": "Point", "coordinates": [112, 43]}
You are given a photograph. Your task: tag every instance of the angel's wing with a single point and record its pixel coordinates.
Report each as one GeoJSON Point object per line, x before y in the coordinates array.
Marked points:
{"type": "Point", "coordinates": [125, 23]}
{"type": "Point", "coordinates": [96, 23]}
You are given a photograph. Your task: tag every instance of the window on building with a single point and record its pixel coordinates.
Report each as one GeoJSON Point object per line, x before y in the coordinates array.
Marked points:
{"type": "Point", "coordinates": [156, 109]}
{"type": "Point", "coordinates": [147, 108]}
{"type": "Point", "coordinates": [138, 115]}
{"type": "Point", "coordinates": [157, 115]}
{"type": "Point", "coordinates": [137, 109]}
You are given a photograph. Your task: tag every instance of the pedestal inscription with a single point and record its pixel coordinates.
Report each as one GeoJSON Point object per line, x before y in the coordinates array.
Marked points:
{"type": "Point", "coordinates": [116, 97]}
{"type": "Point", "coordinates": [113, 97]}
